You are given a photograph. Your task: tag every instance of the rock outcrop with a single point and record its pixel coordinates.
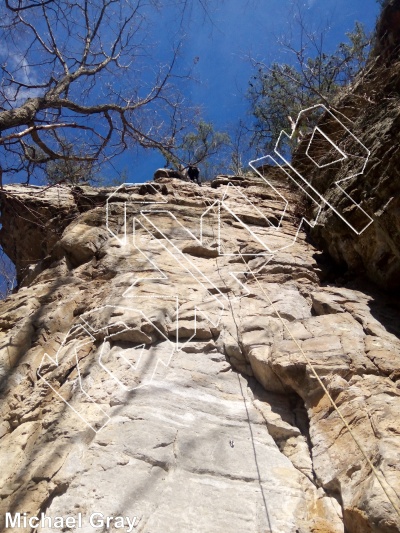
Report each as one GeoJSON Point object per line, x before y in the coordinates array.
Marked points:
{"type": "Point", "coordinates": [369, 113]}
{"type": "Point", "coordinates": [387, 37]}
{"type": "Point", "coordinates": [185, 356]}
{"type": "Point", "coordinates": [169, 173]}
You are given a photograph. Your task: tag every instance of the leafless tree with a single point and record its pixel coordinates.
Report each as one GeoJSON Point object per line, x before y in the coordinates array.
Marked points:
{"type": "Point", "coordinates": [239, 146]}
{"type": "Point", "coordinates": [82, 70]}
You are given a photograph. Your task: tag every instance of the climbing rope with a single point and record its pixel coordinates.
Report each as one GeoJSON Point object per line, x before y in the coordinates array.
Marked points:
{"type": "Point", "coordinates": [381, 480]}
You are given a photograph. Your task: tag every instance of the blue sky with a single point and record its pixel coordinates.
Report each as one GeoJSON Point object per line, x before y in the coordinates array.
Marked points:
{"type": "Point", "coordinates": [239, 29]}
{"type": "Point", "coordinates": [217, 47]}
{"type": "Point", "coordinates": [219, 53]}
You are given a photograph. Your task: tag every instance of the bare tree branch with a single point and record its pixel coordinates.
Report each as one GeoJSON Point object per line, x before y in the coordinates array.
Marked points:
{"type": "Point", "coordinates": [63, 65]}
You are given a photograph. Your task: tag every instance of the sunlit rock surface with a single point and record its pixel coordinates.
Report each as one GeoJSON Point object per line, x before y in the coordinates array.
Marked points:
{"type": "Point", "coordinates": [169, 373]}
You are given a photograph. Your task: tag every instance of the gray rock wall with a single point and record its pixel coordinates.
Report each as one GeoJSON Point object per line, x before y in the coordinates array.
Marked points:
{"type": "Point", "coordinates": [175, 375]}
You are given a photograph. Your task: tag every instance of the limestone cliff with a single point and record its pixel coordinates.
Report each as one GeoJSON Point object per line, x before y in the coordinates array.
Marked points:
{"type": "Point", "coordinates": [183, 355]}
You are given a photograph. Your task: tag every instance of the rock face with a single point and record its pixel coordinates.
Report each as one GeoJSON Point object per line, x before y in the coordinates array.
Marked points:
{"type": "Point", "coordinates": [169, 173]}
{"type": "Point", "coordinates": [183, 355]}
{"type": "Point", "coordinates": [387, 37]}
{"type": "Point", "coordinates": [369, 114]}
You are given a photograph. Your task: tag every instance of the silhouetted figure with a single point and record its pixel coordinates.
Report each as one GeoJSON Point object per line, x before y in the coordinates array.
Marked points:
{"type": "Point", "coordinates": [193, 174]}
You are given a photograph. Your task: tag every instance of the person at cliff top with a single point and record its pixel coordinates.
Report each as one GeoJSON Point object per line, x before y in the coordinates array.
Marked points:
{"type": "Point", "coordinates": [193, 174]}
